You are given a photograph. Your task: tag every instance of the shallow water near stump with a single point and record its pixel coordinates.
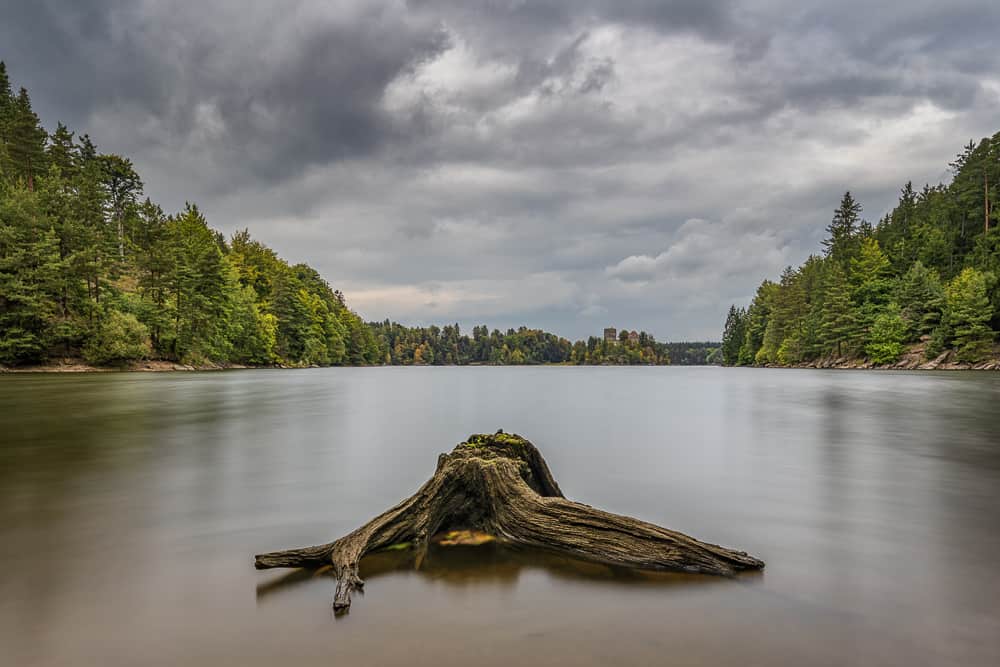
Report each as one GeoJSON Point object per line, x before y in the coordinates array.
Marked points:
{"type": "Point", "coordinates": [131, 506]}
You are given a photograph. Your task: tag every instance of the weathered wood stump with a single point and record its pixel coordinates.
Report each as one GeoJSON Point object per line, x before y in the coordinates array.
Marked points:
{"type": "Point", "coordinates": [500, 485]}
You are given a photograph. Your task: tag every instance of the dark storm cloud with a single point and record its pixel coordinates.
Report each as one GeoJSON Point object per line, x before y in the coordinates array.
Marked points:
{"type": "Point", "coordinates": [71, 58]}
{"type": "Point", "coordinates": [566, 163]}
{"type": "Point", "coordinates": [279, 94]}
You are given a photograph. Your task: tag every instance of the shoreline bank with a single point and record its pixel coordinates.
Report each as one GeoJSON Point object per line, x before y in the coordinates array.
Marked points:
{"type": "Point", "coordinates": [942, 363]}
{"type": "Point", "coordinates": [73, 365]}
{"type": "Point", "coordinates": [911, 360]}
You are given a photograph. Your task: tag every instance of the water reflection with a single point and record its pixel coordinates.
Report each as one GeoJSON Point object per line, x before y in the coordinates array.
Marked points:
{"type": "Point", "coordinates": [494, 565]}
{"type": "Point", "coordinates": [131, 505]}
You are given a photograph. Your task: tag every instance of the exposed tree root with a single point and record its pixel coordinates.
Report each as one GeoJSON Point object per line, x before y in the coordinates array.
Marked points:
{"type": "Point", "coordinates": [500, 485]}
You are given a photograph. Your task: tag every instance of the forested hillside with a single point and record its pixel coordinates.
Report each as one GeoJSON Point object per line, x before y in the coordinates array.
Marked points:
{"type": "Point", "coordinates": [926, 273]}
{"type": "Point", "coordinates": [90, 267]}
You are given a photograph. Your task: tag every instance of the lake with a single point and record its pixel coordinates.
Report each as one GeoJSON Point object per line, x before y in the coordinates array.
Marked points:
{"type": "Point", "coordinates": [131, 506]}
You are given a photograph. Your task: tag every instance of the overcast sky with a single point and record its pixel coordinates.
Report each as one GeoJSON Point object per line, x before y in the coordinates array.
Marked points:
{"type": "Point", "coordinates": [565, 164]}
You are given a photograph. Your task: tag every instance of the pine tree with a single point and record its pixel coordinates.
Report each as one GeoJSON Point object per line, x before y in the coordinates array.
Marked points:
{"type": "Point", "coordinates": [62, 152]}
{"type": "Point", "coordinates": [6, 113]}
{"type": "Point", "coordinates": [895, 231]}
{"type": "Point", "coordinates": [920, 296]}
{"type": "Point", "coordinates": [26, 141]}
{"type": "Point", "coordinates": [59, 205]}
{"type": "Point", "coordinates": [30, 270]}
{"type": "Point", "coordinates": [811, 276]}
{"type": "Point", "coordinates": [758, 315]}
{"type": "Point", "coordinates": [841, 242]}
{"type": "Point", "coordinates": [198, 288]}
{"type": "Point", "coordinates": [967, 314]}
{"type": "Point", "coordinates": [6, 101]}
{"type": "Point", "coordinates": [839, 325]}
{"type": "Point", "coordinates": [294, 318]}
{"type": "Point", "coordinates": [123, 187]}
{"type": "Point", "coordinates": [733, 335]}
{"type": "Point", "coordinates": [783, 337]}
{"type": "Point", "coordinates": [872, 281]}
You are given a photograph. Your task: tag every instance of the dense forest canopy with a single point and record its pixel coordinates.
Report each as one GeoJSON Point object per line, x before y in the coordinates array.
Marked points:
{"type": "Point", "coordinates": [91, 267]}
{"type": "Point", "coordinates": [447, 345]}
{"type": "Point", "coordinates": [924, 277]}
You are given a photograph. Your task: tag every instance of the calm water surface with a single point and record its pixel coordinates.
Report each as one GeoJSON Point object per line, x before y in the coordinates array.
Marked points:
{"type": "Point", "coordinates": [131, 506]}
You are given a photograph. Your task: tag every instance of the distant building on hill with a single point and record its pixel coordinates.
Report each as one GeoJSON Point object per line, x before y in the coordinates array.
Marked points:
{"type": "Point", "coordinates": [633, 336]}
{"type": "Point", "coordinates": [611, 335]}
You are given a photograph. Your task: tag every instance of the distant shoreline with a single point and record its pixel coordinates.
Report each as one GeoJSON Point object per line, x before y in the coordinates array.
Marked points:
{"type": "Point", "coordinates": [74, 365]}
{"type": "Point", "coordinates": [160, 366]}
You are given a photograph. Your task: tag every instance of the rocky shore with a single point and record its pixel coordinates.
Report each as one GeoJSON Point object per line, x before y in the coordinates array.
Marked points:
{"type": "Point", "coordinates": [913, 359]}
{"type": "Point", "coordinates": [74, 365]}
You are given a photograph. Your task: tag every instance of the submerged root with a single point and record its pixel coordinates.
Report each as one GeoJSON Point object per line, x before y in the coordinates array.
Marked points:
{"type": "Point", "coordinates": [501, 486]}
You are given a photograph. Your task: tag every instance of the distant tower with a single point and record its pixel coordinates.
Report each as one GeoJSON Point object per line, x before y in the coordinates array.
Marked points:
{"type": "Point", "coordinates": [611, 335]}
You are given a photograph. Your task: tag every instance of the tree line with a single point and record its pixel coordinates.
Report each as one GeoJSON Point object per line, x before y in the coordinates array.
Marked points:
{"type": "Point", "coordinates": [447, 345]}
{"type": "Point", "coordinates": [92, 268]}
{"type": "Point", "coordinates": [926, 273]}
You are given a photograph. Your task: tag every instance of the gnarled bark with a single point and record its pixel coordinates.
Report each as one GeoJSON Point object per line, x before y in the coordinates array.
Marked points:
{"type": "Point", "coordinates": [500, 485]}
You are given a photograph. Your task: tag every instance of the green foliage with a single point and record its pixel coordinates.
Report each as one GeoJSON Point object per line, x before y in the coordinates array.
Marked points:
{"type": "Point", "coordinates": [197, 282]}
{"type": "Point", "coordinates": [30, 271]}
{"type": "Point", "coordinates": [523, 346]}
{"type": "Point", "coordinates": [839, 328]}
{"type": "Point", "coordinates": [24, 140]}
{"type": "Point", "coordinates": [887, 335]}
{"type": "Point", "coordinates": [87, 267]}
{"type": "Point", "coordinates": [872, 285]}
{"type": "Point", "coordinates": [920, 296]}
{"type": "Point", "coordinates": [879, 289]}
{"type": "Point", "coordinates": [843, 231]}
{"type": "Point", "coordinates": [117, 338]}
{"type": "Point", "coordinates": [790, 351]}
{"type": "Point", "coordinates": [757, 318]}
{"type": "Point", "coordinates": [733, 335]}
{"type": "Point", "coordinates": [253, 333]}
{"type": "Point", "coordinates": [967, 314]}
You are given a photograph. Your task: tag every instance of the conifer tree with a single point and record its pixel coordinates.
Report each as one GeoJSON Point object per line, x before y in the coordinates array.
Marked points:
{"type": "Point", "coordinates": [30, 270]}
{"type": "Point", "coordinates": [839, 325]}
{"type": "Point", "coordinates": [62, 152]}
{"type": "Point", "coordinates": [6, 101]}
{"type": "Point", "coordinates": [841, 240]}
{"type": "Point", "coordinates": [197, 285]}
{"type": "Point", "coordinates": [25, 141]}
{"type": "Point", "coordinates": [967, 314]}
{"type": "Point", "coordinates": [920, 296]}
{"type": "Point", "coordinates": [123, 187]}
{"type": "Point", "coordinates": [872, 282]}
{"type": "Point", "coordinates": [6, 112]}
{"type": "Point", "coordinates": [757, 318]}
{"type": "Point", "coordinates": [733, 335]}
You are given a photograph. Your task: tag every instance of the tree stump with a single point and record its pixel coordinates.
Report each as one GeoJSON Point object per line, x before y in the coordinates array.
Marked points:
{"type": "Point", "coordinates": [500, 485]}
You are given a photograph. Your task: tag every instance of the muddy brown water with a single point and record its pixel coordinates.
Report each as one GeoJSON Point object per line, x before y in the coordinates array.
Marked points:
{"type": "Point", "coordinates": [131, 505]}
